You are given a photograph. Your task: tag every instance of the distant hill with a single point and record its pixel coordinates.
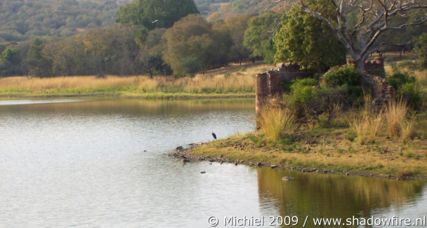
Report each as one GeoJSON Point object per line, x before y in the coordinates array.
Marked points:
{"type": "Point", "coordinates": [21, 19]}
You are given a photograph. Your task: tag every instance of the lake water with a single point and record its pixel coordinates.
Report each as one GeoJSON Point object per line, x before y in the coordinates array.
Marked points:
{"type": "Point", "coordinates": [105, 163]}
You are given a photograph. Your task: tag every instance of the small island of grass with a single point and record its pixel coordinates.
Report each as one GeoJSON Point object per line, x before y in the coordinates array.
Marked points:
{"type": "Point", "coordinates": [390, 143]}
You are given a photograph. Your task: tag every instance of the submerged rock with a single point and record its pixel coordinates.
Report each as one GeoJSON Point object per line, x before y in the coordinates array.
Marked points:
{"type": "Point", "coordinates": [287, 178]}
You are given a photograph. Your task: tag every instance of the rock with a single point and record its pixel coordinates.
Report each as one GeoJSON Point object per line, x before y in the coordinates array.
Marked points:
{"type": "Point", "coordinates": [186, 160]}
{"type": "Point", "coordinates": [259, 164]}
{"type": "Point", "coordinates": [274, 166]}
{"type": "Point", "coordinates": [180, 148]}
{"type": "Point", "coordinates": [203, 172]}
{"type": "Point", "coordinates": [309, 170]}
{"type": "Point", "coordinates": [287, 178]}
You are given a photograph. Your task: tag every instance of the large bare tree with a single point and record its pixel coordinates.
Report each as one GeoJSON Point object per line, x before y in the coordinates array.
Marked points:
{"type": "Point", "coordinates": [360, 23]}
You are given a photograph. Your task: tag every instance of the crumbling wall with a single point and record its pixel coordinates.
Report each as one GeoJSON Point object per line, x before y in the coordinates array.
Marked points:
{"type": "Point", "coordinates": [270, 85]}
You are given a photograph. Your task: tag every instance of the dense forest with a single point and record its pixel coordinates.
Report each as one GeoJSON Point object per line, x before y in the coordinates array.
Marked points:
{"type": "Point", "coordinates": [168, 37]}
{"type": "Point", "coordinates": [23, 19]}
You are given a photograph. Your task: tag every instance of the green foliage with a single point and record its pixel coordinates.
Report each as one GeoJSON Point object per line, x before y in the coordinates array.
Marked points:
{"type": "Point", "coordinates": [304, 90]}
{"type": "Point", "coordinates": [191, 45]}
{"type": "Point", "coordinates": [37, 63]}
{"type": "Point", "coordinates": [347, 79]}
{"type": "Point", "coordinates": [10, 62]}
{"type": "Point", "coordinates": [155, 13]}
{"type": "Point", "coordinates": [342, 75]}
{"type": "Point", "coordinates": [303, 95]}
{"type": "Point", "coordinates": [112, 50]}
{"type": "Point", "coordinates": [150, 53]}
{"type": "Point", "coordinates": [234, 28]}
{"type": "Point", "coordinates": [258, 36]}
{"type": "Point", "coordinates": [308, 41]}
{"type": "Point", "coordinates": [411, 94]}
{"type": "Point", "coordinates": [406, 88]}
{"type": "Point", "coordinates": [21, 20]}
{"type": "Point", "coordinates": [397, 80]}
{"type": "Point", "coordinates": [421, 50]}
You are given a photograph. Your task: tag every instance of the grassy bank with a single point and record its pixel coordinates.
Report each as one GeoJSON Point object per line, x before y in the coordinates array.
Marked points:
{"type": "Point", "coordinates": [329, 150]}
{"type": "Point", "coordinates": [231, 81]}
{"type": "Point", "coordinates": [391, 143]}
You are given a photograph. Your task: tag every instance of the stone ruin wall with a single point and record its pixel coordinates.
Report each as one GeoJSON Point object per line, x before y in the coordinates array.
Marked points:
{"type": "Point", "coordinates": [270, 85]}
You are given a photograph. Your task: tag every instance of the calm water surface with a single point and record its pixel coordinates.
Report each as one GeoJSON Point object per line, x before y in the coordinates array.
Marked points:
{"type": "Point", "coordinates": [104, 164]}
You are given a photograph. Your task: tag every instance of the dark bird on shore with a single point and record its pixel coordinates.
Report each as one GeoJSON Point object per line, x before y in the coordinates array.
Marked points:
{"type": "Point", "coordinates": [214, 135]}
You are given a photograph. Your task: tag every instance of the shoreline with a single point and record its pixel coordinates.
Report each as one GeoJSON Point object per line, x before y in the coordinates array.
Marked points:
{"type": "Point", "coordinates": [159, 95]}
{"type": "Point", "coordinates": [240, 153]}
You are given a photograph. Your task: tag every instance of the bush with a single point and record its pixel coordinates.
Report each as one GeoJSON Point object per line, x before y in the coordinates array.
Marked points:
{"type": "Point", "coordinates": [398, 79]}
{"type": "Point", "coordinates": [421, 50]}
{"type": "Point", "coordinates": [304, 90]}
{"type": "Point", "coordinates": [308, 100]}
{"type": "Point", "coordinates": [342, 75]}
{"type": "Point", "coordinates": [411, 94]}
{"type": "Point", "coordinates": [347, 81]}
{"type": "Point", "coordinates": [406, 88]}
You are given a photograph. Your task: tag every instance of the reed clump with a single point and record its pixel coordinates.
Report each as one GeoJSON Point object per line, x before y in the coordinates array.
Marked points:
{"type": "Point", "coordinates": [367, 127]}
{"type": "Point", "coordinates": [393, 120]}
{"type": "Point", "coordinates": [277, 122]}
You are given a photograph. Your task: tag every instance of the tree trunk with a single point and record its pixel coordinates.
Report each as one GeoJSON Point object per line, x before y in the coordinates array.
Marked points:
{"type": "Point", "coordinates": [360, 66]}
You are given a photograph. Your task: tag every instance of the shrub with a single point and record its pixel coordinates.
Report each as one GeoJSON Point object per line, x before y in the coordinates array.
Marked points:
{"type": "Point", "coordinates": [342, 75]}
{"type": "Point", "coordinates": [347, 80]}
{"type": "Point", "coordinates": [421, 50]}
{"type": "Point", "coordinates": [406, 88]}
{"type": "Point", "coordinates": [304, 90]}
{"type": "Point", "coordinates": [396, 80]}
{"type": "Point", "coordinates": [276, 121]}
{"type": "Point", "coordinates": [308, 100]}
{"type": "Point", "coordinates": [303, 96]}
{"type": "Point", "coordinates": [411, 94]}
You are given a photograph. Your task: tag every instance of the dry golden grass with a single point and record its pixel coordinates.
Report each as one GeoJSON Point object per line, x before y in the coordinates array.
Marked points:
{"type": "Point", "coordinates": [276, 121]}
{"type": "Point", "coordinates": [367, 127]}
{"type": "Point", "coordinates": [233, 79]}
{"type": "Point", "coordinates": [396, 117]}
{"type": "Point", "coordinates": [407, 131]}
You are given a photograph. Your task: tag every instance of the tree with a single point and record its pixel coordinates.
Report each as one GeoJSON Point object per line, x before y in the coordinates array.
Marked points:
{"type": "Point", "coordinates": [10, 62]}
{"type": "Point", "coordinates": [307, 41]}
{"type": "Point", "coordinates": [421, 49]}
{"type": "Point", "coordinates": [150, 53]}
{"type": "Point", "coordinates": [37, 63]}
{"type": "Point", "coordinates": [235, 28]}
{"type": "Point", "coordinates": [359, 24]}
{"type": "Point", "coordinates": [155, 13]}
{"type": "Point", "coordinates": [259, 35]}
{"type": "Point", "coordinates": [191, 46]}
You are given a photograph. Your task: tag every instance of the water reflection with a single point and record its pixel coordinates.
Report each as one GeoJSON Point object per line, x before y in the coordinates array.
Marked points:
{"type": "Point", "coordinates": [318, 195]}
{"type": "Point", "coordinates": [102, 163]}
